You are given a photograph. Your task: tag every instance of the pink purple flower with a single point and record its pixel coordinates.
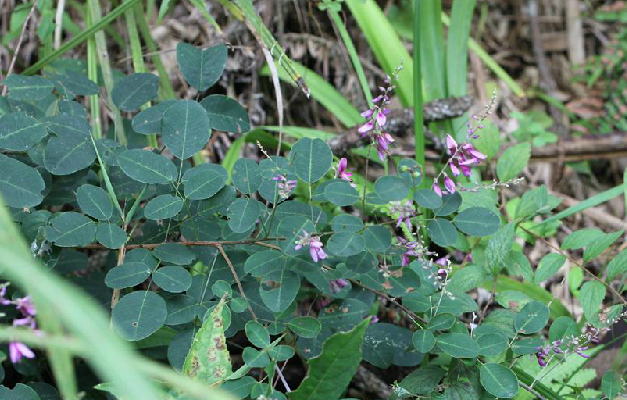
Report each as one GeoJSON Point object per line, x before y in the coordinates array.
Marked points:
{"type": "Point", "coordinates": [464, 156]}
{"type": "Point", "coordinates": [342, 173]}
{"type": "Point", "coordinates": [338, 284]}
{"type": "Point", "coordinates": [284, 185]}
{"type": "Point", "coordinates": [315, 246]}
{"type": "Point", "coordinates": [18, 350]}
{"type": "Point", "coordinates": [405, 212]}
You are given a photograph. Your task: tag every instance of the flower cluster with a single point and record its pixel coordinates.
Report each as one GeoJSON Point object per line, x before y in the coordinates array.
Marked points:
{"type": "Point", "coordinates": [338, 284]}
{"type": "Point", "coordinates": [342, 173]}
{"type": "Point", "coordinates": [315, 246]}
{"type": "Point", "coordinates": [405, 212]}
{"type": "Point", "coordinates": [569, 345]}
{"type": "Point", "coordinates": [462, 158]}
{"type": "Point", "coordinates": [18, 350]}
{"type": "Point", "coordinates": [285, 186]}
{"type": "Point", "coordinates": [376, 117]}
{"type": "Point", "coordinates": [412, 248]}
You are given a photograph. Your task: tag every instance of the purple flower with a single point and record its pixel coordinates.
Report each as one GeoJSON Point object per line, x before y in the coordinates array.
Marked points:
{"type": "Point", "coordinates": [18, 350]}
{"type": "Point", "coordinates": [315, 246]}
{"type": "Point", "coordinates": [374, 319]}
{"type": "Point", "coordinates": [436, 189]}
{"type": "Point", "coordinates": [368, 113]}
{"type": "Point", "coordinates": [449, 184]}
{"type": "Point", "coordinates": [342, 173]}
{"type": "Point", "coordinates": [25, 306]}
{"type": "Point", "coordinates": [338, 284]}
{"type": "Point", "coordinates": [405, 212]}
{"type": "Point", "coordinates": [365, 128]}
{"type": "Point", "coordinates": [411, 249]}
{"type": "Point", "coordinates": [284, 185]}
{"type": "Point", "coordinates": [383, 141]}
{"type": "Point", "coordinates": [464, 156]}
{"type": "Point", "coordinates": [381, 117]}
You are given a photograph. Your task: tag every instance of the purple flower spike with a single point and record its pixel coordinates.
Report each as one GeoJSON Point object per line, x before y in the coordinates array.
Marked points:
{"type": "Point", "coordinates": [18, 350]}
{"type": "Point", "coordinates": [449, 184]}
{"type": "Point", "coordinates": [368, 113]}
{"type": "Point", "coordinates": [381, 118]}
{"type": "Point", "coordinates": [315, 246]}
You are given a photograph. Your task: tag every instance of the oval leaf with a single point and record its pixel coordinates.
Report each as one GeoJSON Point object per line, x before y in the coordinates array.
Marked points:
{"type": "Point", "coordinates": [135, 90]}
{"type": "Point", "coordinates": [185, 128]}
{"type": "Point", "coordinates": [138, 315]}
{"type": "Point", "coordinates": [477, 221]}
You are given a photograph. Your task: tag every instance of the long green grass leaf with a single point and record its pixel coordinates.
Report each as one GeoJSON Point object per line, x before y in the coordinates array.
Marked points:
{"type": "Point", "coordinates": [324, 93]}
{"type": "Point", "coordinates": [457, 56]}
{"type": "Point", "coordinates": [386, 45]}
{"type": "Point", "coordinates": [588, 203]}
{"type": "Point", "coordinates": [105, 21]}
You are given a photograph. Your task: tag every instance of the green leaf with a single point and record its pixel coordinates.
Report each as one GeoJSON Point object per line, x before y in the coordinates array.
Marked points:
{"type": "Point", "coordinates": [441, 322]}
{"type": "Point", "coordinates": [391, 188]}
{"type": "Point", "coordinates": [110, 236]}
{"type": "Point", "coordinates": [378, 237]}
{"type": "Point", "coordinates": [498, 380]}
{"type": "Point", "coordinates": [19, 392]}
{"type": "Point", "coordinates": [185, 128]}
{"type": "Point", "coordinates": [341, 193]}
{"type": "Point", "coordinates": [222, 288]}
{"type": "Point", "coordinates": [71, 229]}
{"type": "Point", "coordinates": [442, 232]}
{"type": "Point", "coordinates": [201, 68]}
{"type": "Point", "coordinates": [491, 344]}
{"type": "Point", "coordinates": [204, 181]}
{"type": "Point", "coordinates": [513, 161]}
{"type": "Point", "coordinates": [477, 221]}
{"type": "Point", "coordinates": [293, 228]}
{"type": "Point", "coordinates": [28, 88]}
{"type": "Point", "coordinates": [255, 358]}
{"type": "Point", "coordinates": [532, 202]}
{"type": "Point", "coordinates": [20, 185]}
{"type": "Point", "coordinates": [226, 114]}
{"type": "Point", "coordinates": [65, 155]}
{"type": "Point", "coordinates": [549, 265]}
{"type": "Point", "coordinates": [257, 334]}
{"type": "Point", "coordinates": [163, 207]}
{"type": "Point", "coordinates": [278, 289]}
{"type": "Point", "coordinates": [174, 253]}
{"type": "Point", "coordinates": [149, 120]}
{"type": "Point", "coordinates": [427, 198]}
{"type": "Point", "coordinates": [617, 266]}
{"type": "Point", "coordinates": [458, 345]}
{"type": "Point", "coordinates": [423, 340]}
{"type": "Point", "coordinates": [532, 318]}
{"type": "Point", "coordinates": [147, 167]}
{"type": "Point", "coordinates": [346, 244]}
{"type": "Point", "coordinates": [135, 90]}
{"type": "Point", "coordinates": [346, 223]}
{"type": "Point", "coordinates": [312, 158]}
{"type": "Point", "coordinates": [450, 204]}
{"type": "Point", "coordinates": [466, 279]}
{"type": "Point", "coordinates": [489, 140]}
{"type": "Point", "coordinates": [172, 278]}
{"type": "Point", "coordinates": [246, 175]}
{"type": "Point", "coordinates": [518, 265]}
{"type": "Point", "coordinates": [526, 346]}
{"type": "Point", "coordinates": [423, 380]}
{"type": "Point", "coordinates": [597, 247]}
{"type": "Point", "coordinates": [94, 201]}
{"type": "Point", "coordinates": [263, 262]}
{"type": "Point", "coordinates": [591, 296]}
{"type": "Point", "coordinates": [330, 373]}
{"type": "Point", "coordinates": [499, 247]}
{"type": "Point", "coordinates": [563, 327]}
{"type": "Point", "coordinates": [20, 132]}
{"type": "Point", "coordinates": [75, 83]}
{"type": "Point", "coordinates": [208, 359]}
{"type": "Point", "coordinates": [138, 315]}
{"type": "Point", "coordinates": [306, 327]}
{"type": "Point", "coordinates": [129, 274]}
{"type": "Point", "coordinates": [243, 214]}
{"type": "Point", "coordinates": [611, 384]}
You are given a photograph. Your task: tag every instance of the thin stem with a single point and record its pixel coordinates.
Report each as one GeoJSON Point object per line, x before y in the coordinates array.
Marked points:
{"type": "Point", "coordinates": [258, 242]}
{"type": "Point", "coordinates": [59, 24]}
{"type": "Point", "coordinates": [419, 134]}
{"type": "Point", "coordinates": [92, 74]}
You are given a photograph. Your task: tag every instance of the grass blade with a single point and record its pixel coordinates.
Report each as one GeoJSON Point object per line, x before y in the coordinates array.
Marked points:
{"type": "Point", "coordinates": [588, 203]}
{"type": "Point", "coordinates": [386, 45]}
{"type": "Point", "coordinates": [419, 134]}
{"type": "Point", "coordinates": [457, 57]}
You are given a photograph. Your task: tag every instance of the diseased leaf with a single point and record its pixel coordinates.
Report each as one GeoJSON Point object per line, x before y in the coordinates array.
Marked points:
{"type": "Point", "coordinates": [330, 373]}
{"type": "Point", "coordinates": [208, 359]}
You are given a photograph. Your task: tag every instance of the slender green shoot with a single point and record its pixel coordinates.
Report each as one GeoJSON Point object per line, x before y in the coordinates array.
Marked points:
{"type": "Point", "coordinates": [92, 73]}
{"type": "Point", "coordinates": [419, 134]}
